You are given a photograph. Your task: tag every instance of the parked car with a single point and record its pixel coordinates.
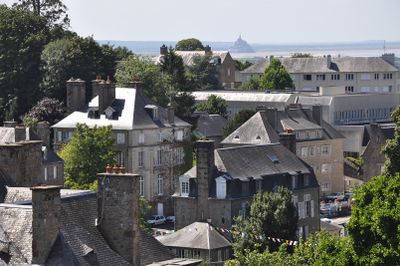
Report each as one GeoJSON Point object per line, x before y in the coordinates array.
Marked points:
{"type": "Point", "coordinates": [170, 219]}
{"type": "Point", "coordinates": [156, 220]}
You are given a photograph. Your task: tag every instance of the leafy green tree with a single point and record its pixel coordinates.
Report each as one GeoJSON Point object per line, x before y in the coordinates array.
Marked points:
{"type": "Point", "coordinates": [53, 11]}
{"type": "Point", "coordinates": [22, 37]}
{"type": "Point", "coordinates": [203, 74]}
{"type": "Point", "coordinates": [271, 214]}
{"type": "Point", "coordinates": [252, 84]}
{"type": "Point", "coordinates": [375, 219]}
{"type": "Point", "coordinates": [86, 154]}
{"type": "Point", "coordinates": [391, 150]}
{"type": "Point", "coordinates": [240, 65]}
{"type": "Point", "coordinates": [238, 120]}
{"type": "Point", "coordinates": [47, 109]}
{"type": "Point", "coordinates": [276, 77]}
{"type": "Point", "coordinates": [190, 44]}
{"type": "Point", "coordinates": [213, 105]}
{"type": "Point", "coordinates": [172, 64]}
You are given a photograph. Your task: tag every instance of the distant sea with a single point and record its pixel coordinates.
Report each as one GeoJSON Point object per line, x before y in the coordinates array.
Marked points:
{"type": "Point", "coordinates": [366, 48]}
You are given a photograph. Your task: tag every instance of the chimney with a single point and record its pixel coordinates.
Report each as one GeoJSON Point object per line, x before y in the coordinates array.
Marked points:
{"type": "Point", "coordinates": [163, 50]}
{"type": "Point", "coordinates": [21, 133]}
{"type": "Point", "coordinates": [136, 84]}
{"type": "Point", "coordinates": [105, 89]}
{"type": "Point", "coordinates": [205, 173]}
{"type": "Point", "coordinates": [10, 123]}
{"type": "Point", "coordinates": [328, 61]}
{"type": "Point", "coordinates": [118, 212]}
{"type": "Point", "coordinates": [171, 115]}
{"type": "Point", "coordinates": [317, 114]}
{"type": "Point", "coordinates": [207, 50]}
{"type": "Point", "coordinates": [389, 58]}
{"type": "Point", "coordinates": [46, 203]}
{"type": "Point", "coordinates": [288, 139]}
{"type": "Point", "coordinates": [43, 131]}
{"type": "Point", "coordinates": [76, 99]}
{"type": "Point", "coordinates": [272, 117]}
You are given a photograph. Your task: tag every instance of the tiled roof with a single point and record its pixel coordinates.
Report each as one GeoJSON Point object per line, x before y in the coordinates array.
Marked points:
{"type": "Point", "coordinates": [133, 114]}
{"type": "Point", "coordinates": [319, 65]}
{"type": "Point", "coordinates": [198, 235]}
{"type": "Point", "coordinates": [210, 125]}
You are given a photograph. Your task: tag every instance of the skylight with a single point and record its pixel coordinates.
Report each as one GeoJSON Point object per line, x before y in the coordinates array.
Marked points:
{"type": "Point", "coordinates": [273, 158]}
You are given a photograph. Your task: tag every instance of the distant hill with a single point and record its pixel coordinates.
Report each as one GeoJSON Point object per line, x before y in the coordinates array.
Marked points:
{"type": "Point", "coordinates": [241, 46]}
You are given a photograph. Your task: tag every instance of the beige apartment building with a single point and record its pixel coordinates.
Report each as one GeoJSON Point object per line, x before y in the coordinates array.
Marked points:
{"type": "Point", "coordinates": [149, 139]}
{"type": "Point", "coordinates": [356, 74]}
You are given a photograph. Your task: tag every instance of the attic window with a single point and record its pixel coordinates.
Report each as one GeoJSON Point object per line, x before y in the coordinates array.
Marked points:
{"type": "Point", "coordinates": [236, 137]}
{"type": "Point", "coordinates": [258, 138]}
{"type": "Point", "coordinates": [273, 158]}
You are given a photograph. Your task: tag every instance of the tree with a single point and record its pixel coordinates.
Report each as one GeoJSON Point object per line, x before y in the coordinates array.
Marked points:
{"type": "Point", "coordinates": [238, 120]}
{"type": "Point", "coordinates": [239, 65]}
{"type": "Point", "coordinates": [276, 77]}
{"type": "Point", "coordinates": [47, 109]}
{"type": "Point", "coordinates": [172, 64]}
{"type": "Point", "coordinates": [53, 11]}
{"type": "Point", "coordinates": [213, 105]}
{"type": "Point", "coordinates": [252, 84]}
{"type": "Point", "coordinates": [190, 44]}
{"type": "Point", "coordinates": [86, 154]}
{"type": "Point", "coordinates": [374, 224]}
{"type": "Point", "coordinates": [272, 214]}
{"type": "Point", "coordinates": [392, 147]}
{"type": "Point", "coordinates": [203, 74]}
{"type": "Point", "coordinates": [22, 37]}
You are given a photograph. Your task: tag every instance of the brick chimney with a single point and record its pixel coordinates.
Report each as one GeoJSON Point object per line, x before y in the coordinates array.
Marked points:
{"type": "Point", "coordinates": [46, 204]}
{"type": "Point", "coordinates": [205, 173]}
{"type": "Point", "coordinates": [317, 113]}
{"type": "Point", "coordinates": [288, 139]}
{"type": "Point", "coordinates": [118, 212]}
{"type": "Point", "coordinates": [76, 99]}
{"type": "Point", "coordinates": [171, 115]}
{"type": "Point", "coordinates": [105, 89]}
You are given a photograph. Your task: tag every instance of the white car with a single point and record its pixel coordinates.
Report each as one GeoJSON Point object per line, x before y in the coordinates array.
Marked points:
{"type": "Point", "coordinates": [156, 220]}
{"type": "Point", "coordinates": [170, 219]}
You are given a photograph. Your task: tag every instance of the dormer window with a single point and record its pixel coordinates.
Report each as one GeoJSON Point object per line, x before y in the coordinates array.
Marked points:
{"type": "Point", "coordinates": [109, 112]}
{"type": "Point", "coordinates": [184, 185]}
{"type": "Point", "coordinates": [152, 111]}
{"type": "Point", "coordinates": [236, 138]}
{"type": "Point", "coordinates": [258, 138]}
{"type": "Point", "coordinates": [221, 187]}
{"type": "Point", "coordinates": [155, 114]}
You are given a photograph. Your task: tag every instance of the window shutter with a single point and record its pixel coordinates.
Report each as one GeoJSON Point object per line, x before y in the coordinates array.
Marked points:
{"type": "Point", "coordinates": [312, 208]}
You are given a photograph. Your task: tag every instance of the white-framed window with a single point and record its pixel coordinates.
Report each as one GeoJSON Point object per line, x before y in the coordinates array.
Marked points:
{"type": "Point", "coordinates": [365, 76]}
{"type": "Point", "coordinates": [229, 72]}
{"type": "Point", "coordinates": [141, 159]}
{"type": "Point", "coordinates": [295, 201]}
{"type": "Point", "coordinates": [160, 185]}
{"type": "Point", "coordinates": [158, 157]}
{"type": "Point", "coordinates": [349, 76]}
{"type": "Point", "coordinates": [325, 168]}
{"type": "Point", "coordinates": [120, 138]}
{"type": "Point", "coordinates": [301, 211]}
{"type": "Point", "coordinates": [326, 149]}
{"type": "Point", "coordinates": [141, 138]}
{"type": "Point", "coordinates": [325, 187]}
{"type": "Point", "coordinates": [179, 155]}
{"type": "Point", "coordinates": [155, 114]}
{"type": "Point", "coordinates": [45, 173]}
{"type": "Point", "coordinates": [335, 76]}
{"type": "Point", "coordinates": [304, 151]}
{"type": "Point", "coordinates": [179, 135]}
{"type": "Point", "coordinates": [64, 135]}
{"type": "Point", "coordinates": [141, 185]}
{"type": "Point", "coordinates": [294, 181]}
{"type": "Point", "coordinates": [320, 76]}
{"type": "Point", "coordinates": [54, 172]}
{"type": "Point", "coordinates": [312, 151]}
{"type": "Point", "coordinates": [307, 77]}
{"type": "Point", "coordinates": [387, 76]}
{"type": "Point", "coordinates": [221, 188]}
{"type": "Point", "coordinates": [309, 206]}
{"type": "Point", "coordinates": [120, 158]}
{"type": "Point", "coordinates": [349, 89]}
{"type": "Point", "coordinates": [376, 76]}
{"type": "Point", "coordinates": [185, 188]}
{"type": "Point", "coordinates": [59, 135]}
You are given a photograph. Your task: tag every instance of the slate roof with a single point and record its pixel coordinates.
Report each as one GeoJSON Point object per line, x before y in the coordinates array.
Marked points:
{"type": "Point", "coordinates": [210, 125]}
{"type": "Point", "coordinates": [255, 161]}
{"type": "Point", "coordinates": [198, 235]}
{"type": "Point", "coordinates": [78, 236]}
{"type": "Point", "coordinates": [131, 105]}
{"type": "Point", "coordinates": [246, 96]}
{"type": "Point", "coordinates": [319, 65]}
{"type": "Point", "coordinates": [386, 130]}
{"type": "Point", "coordinates": [256, 130]}
{"type": "Point", "coordinates": [51, 156]}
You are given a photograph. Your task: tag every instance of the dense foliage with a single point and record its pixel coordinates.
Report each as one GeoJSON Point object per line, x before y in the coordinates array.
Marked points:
{"type": "Point", "coordinates": [238, 120]}
{"type": "Point", "coordinates": [392, 147]}
{"type": "Point", "coordinates": [276, 77]}
{"type": "Point", "coordinates": [213, 105]}
{"type": "Point", "coordinates": [86, 154]}
{"type": "Point", "coordinates": [252, 84]}
{"type": "Point", "coordinates": [271, 214]}
{"type": "Point", "coordinates": [240, 65]}
{"type": "Point", "coordinates": [47, 109]}
{"type": "Point", "coordinates": [190, 44]}
{"type": "Point", "coordinates": [203, 74]}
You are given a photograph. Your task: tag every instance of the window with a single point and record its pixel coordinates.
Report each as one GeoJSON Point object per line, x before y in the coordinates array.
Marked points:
{"type": "Point", "coordinates": [387, 76]}
{"type": "Point", "coordinates": [349, 76]}
{"type": "Point", "coordinates": [304, 151]}
{"type": "Point", "coordinates": [184, 188]}
{"type": "Point", "coordinates": [320, 76]}
{"type": "Point", "coordinates": [120, 158]}
{"type": "Point", "coordinates": [59, 135]}
{"type": "Point", "coordinates": [325, 149]}
{"type": "Point", "coordinates": [365, 76]}
{"type": "Point", "coordinates": [160, 137]}
{"type": "Point", "coordinates": [221, 188]}
{"type": "Point", "coordinates": [325, 168]}
{"type": "Point", "coordinates": [325, 187]}
{"type": "Point", "coordinates": [64, 135]}
{"type": "Point", "coordinates": [141, 138]}
{"type": "Point", "coordinates": [160, 185]}
{"type": "Point", "coordinates": [179, 155]}
{"type": "Point", "coordinates": [335, 77]}
{"type": "Point", "coordinates": [312, 150]}
{"type": "Point", "coordinates": [179, 135]}
{"type": "Point", "coordinates": [45, 173]}
{"type": "Point", "coordinates": [229, 72]}
{"type": "Point", "coordinates": [54, 172]}
{"type": "Point", "coordinates": [141, 185]}
{"type": "Point", "coordinates": [155, 114]}
{"type": "Point", "coordinates": [158, 157]}
{"type": "Point", "coordinates": [376, 76]}
{"type": "Point", "coordinates": [306, 180]}
{"type": "Point", "coordinates": [141, 159]}
{"type": "Point", "coordinates": [120, 138]}
{"type": "Point", "coordinates": [307, 77]}
{"type": "Point", "coordinates": [349, 89]}
{"type": "Point", "coordinates": [309, 206]}
{"type": "Point", "coordinates": [294, 181]}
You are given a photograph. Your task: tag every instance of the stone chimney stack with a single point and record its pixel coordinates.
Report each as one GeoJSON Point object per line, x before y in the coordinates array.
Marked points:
{"type": "Point", "coordinates": [207, 50]}
{"type": "Point", "coordinates": [21, 134]}
{"type": "Point", "coordinates": [136, 84]}
{"type": "Point", "coordinates": [43, 131]}
{"type": "Point", "coordinates": [163, 50]}
{"type": "Point", "coordinates": [171, 115]}
{"type": "Point", "coordinates": [205, 172]}
{"type": "Point", "coordinates": [105, 89]}
{"type": "Point", "coordinates": [272, 117]}
{"type": "Point", "coordinates": [317, 113]}
{"type": "Point", "coordinates": [76, 99]}
{"type": "Point", "coordinates": [328, 61]}
{"type": "Point", "coordinates": [288, 139]}
{"type": "Point", "coordinates": [118, 212]}
{"type": "Point", "coordinates": [46, 204]}
{"type": "Point", "coordinates": [390, 58]}
{"type": "Point", "coordinates": [10, 123]}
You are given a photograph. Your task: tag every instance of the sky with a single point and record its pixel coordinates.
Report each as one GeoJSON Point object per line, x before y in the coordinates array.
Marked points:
{"type": "Point", "coordinates": [259, 21]}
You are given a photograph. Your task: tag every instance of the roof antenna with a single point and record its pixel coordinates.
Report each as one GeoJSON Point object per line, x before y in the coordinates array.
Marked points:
{"type": "Point", "coordinates": [384, 46]}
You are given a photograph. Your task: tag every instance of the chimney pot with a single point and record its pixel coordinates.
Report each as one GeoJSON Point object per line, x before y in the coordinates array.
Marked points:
{"type": "Point", "coordinates": [108, 168]}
